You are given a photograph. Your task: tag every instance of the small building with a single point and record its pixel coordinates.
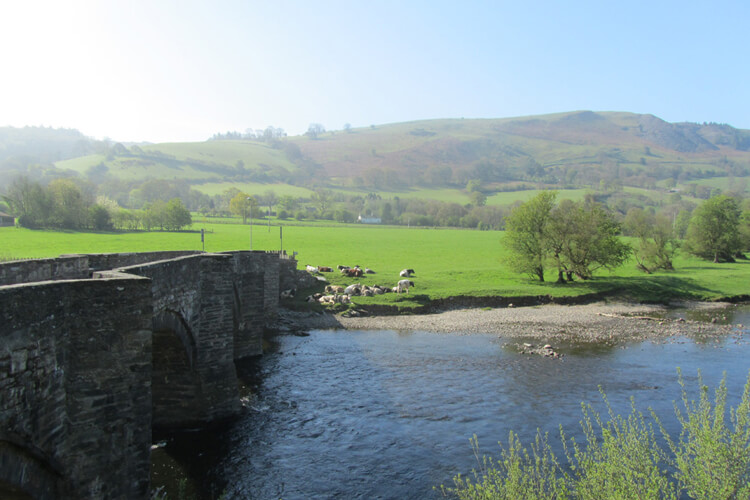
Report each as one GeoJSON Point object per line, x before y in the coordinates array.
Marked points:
{"type": "Point", "coordinates": [7, 220]}
{"type": "Point", "coordinates": [368, 220]}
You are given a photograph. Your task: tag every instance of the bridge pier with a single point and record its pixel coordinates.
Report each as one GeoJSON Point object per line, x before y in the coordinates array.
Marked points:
{"type": "Point", "coordinates": [194, 380]}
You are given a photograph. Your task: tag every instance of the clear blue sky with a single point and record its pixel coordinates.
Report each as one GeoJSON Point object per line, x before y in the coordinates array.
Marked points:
{"type": "Point", "coordinates": [184, 70]}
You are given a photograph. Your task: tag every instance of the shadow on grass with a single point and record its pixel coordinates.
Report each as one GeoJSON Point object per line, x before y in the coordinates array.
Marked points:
{"type": "Point", "coordinates": [651, 288]}
{"type": "Point", "coordinates": [414, 299]}
{"type": "Point", "coordinates": [659, 288]}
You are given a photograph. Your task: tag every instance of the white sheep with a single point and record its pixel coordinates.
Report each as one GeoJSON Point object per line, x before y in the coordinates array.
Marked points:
{"type": "Point", "coordinates": [403, 286]}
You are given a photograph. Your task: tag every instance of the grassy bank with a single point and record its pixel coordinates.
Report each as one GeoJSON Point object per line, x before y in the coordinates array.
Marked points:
{"type": "Point", "coordinates": [448, 262]}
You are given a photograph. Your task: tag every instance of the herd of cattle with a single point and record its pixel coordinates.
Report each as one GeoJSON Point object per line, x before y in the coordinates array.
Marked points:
{"type": "Point", "coordinates": [336, 294]}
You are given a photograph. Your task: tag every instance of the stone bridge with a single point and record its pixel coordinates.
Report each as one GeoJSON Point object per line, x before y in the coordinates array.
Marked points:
{"type": "Point", "coordinates": [99, 349]}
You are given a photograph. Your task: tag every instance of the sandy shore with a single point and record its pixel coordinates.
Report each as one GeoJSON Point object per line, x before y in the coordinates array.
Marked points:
{"type": "Point", "coordinates": [552, 323]}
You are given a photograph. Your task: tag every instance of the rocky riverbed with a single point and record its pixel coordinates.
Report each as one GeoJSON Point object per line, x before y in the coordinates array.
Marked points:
{"type": "Point", "coordinates": [596, 322]}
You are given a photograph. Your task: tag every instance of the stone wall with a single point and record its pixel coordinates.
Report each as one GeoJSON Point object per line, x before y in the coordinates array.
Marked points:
{"type": "Point", "coordinates": [75, 377]}
{"type": "Point", "coordinates": [29, 271]}
{"type": "Point", "coordinates": [104, 261]}
{"type": "Point", "coordinates": [75, 266]}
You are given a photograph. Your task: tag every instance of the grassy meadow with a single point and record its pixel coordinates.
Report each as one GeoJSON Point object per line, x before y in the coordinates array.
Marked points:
{"type": "Point", "coordinates": [253, 188]}
{"type": "Point", "coordinates": [448, 262]}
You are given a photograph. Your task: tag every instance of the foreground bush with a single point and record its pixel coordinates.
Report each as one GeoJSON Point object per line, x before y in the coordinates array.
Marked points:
{"type": "Point", "coordinates": [621, 458]}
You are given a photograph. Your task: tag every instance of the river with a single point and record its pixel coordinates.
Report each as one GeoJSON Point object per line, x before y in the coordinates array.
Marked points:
{"type": "Point", "coordinates": [386, 414]}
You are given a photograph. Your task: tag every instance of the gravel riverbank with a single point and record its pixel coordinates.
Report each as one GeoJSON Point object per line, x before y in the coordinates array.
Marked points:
{"type": "Point", "coordinates": [594, 322]}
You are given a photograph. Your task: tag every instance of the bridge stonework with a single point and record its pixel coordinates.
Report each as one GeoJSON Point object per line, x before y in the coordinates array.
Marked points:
{"type": "Point", "coordinates": [89, 365]}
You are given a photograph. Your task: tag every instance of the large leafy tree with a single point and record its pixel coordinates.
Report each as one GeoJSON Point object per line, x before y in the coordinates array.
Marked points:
{"type": "Point", "coordinates": [28, 201]}
{"type": "Point", "coordinates": [170, 216]}
{"type": "Point", "coordinates": [176, 215]}
{"type": "Point", "coordinates": [154, 215]}
{"type": "Point", "coordinates": [657, 243]}
{"type": "Point", "coordinates": [269, 199]}
{"type": "Point", "coordinates": [745, 226]}
{"type": "Point", "coordinates": [589, 238]}
{"type": "Point", "coordinates": [579, 237]}
{"type": "Point", "coordinates": [527, 234]}
{"type": "Point", "coordinates": [713, 232]}
{"type": "Point", "coordinates": [70, 209]}
{"type": "Point", "coordinates": [243, 206]}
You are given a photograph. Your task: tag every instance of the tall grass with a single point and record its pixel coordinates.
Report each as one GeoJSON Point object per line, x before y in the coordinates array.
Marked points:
{"type": "Point", "coordinates": [623, 458]}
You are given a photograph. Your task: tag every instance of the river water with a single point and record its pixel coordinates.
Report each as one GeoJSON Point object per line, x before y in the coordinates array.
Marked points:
{"type": "Point", "coordinates": [387, 414]}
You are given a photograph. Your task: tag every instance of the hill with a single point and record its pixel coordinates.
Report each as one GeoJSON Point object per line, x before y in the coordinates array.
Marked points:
{"type": "Point", "coordinates": [567, 149]}
{"type": "Point", "coordinates": [635, 155]}
{"type": "Point", "coordinates": [580, 148]}
{"type": "Point", "coordinates": [34, 150]}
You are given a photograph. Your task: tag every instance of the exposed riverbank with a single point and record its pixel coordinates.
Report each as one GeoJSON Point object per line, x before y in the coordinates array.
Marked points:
{"type": "Point", "coordinates": [600, 321]}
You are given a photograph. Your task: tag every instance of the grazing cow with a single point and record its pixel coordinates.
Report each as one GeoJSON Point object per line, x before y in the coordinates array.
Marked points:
{"type": "Point", "coordinates": [406, 273]}
{"type": "Point", "coordinates": [403, 286]}
{"type": "Point", "coordinates": [325, 269]}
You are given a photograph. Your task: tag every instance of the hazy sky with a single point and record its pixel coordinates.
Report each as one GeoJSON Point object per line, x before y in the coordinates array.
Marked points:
{"type": "Point", "coordinates": [183, 70]}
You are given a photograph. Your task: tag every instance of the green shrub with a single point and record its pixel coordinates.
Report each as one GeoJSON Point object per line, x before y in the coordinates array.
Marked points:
{"type": "Point", "coordinates": [622, 459]}
{"type": "Point", "coordinates": [713, 460]}
{"type": "Point", "coordinates": [518, 474]}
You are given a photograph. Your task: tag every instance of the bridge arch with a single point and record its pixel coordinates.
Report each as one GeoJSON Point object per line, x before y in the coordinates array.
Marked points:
{"type": "Point", "coordinates": [172, 321]}
{"type": "Point", "coordinates": [175, 382]}
{"type": "Point", "coordinates": [26, 473]}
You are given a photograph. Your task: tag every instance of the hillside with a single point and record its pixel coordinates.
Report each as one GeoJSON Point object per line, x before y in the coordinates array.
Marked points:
{"type": "Point", "coordinates": [580, 148]}
{"type": "Point", "coordinates": [571, 149]}
{"type": "Point", "coordinates": [430, 159]}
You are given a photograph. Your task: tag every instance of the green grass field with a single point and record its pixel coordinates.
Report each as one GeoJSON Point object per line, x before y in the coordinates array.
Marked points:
{"type": "Point", "coordinates": [726, 183]}
{"type": "Point", "coordinates": [253, 188]}
{"type": "Point", "coordinates": [447, 262]}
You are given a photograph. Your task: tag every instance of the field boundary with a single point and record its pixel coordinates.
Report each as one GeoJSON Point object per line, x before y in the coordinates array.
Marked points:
{"type": "Point", "coordinates": [496, 301]}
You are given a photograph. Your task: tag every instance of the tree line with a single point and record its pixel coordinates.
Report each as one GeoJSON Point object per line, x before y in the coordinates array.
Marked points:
{"type": "Point", "coordinates": [62, 204]}
{"type": "Point", "coordinates": [577, 238]}
{"type": "Point", "coordinates": [658, 232]}
{"type": "Point", "coordinates": [324, 204]}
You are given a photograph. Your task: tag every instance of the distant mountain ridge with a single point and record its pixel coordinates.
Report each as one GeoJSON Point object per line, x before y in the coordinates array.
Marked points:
{"type": "Point", "coordinates": [558, 144]}
{"type": "Point", "coordinates": [574, 148]}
